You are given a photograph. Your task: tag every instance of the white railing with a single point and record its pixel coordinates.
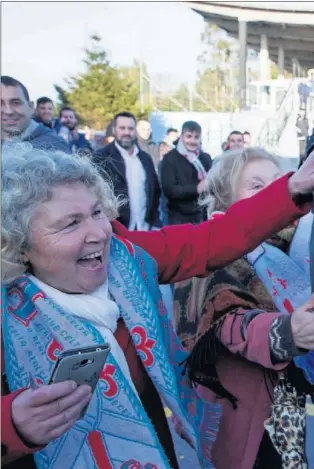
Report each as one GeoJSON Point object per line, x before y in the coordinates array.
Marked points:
{"type": "Point", "coordinates": [273, 127]}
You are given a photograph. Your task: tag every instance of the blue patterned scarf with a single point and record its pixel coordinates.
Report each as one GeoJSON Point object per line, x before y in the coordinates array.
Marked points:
{"type": "Point", "coordinates": [287, 278]}
{"type": "Point", "coordinates": [115, 431]}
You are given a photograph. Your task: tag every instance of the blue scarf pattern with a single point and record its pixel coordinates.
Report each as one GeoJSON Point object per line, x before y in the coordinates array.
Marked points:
{"type": "Point", "coordinates": [115, 431]}
{"type": "Point", "coordinates": [287, 278]}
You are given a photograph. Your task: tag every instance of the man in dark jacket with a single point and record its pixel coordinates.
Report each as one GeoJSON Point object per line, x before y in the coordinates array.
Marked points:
{"type": "Point", "coordinates": [133, 175]}
{"type": "Point", "coordinates": [44, 112]}
{"type": "Point", "coordinates": [183, 171]}
{"type": "Point", "coordinates": [145, 142]}
{"type": "Point", "coordinates": [16, 119]}
{"type": "Point", "coordinates": [66, 127]}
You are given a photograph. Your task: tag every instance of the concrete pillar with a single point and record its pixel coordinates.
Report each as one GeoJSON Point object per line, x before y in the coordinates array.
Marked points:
{"type": "Point", "coordinates": [242, 64]}
{"type": "Point", "coordinates": [294, 68]}
{"type": "Point", "coordinates": [264, 59]}
{"type": "Point", "coordinates": [281, 61]}
{"type": "Point", "coordinates": [264, 71]}
{"type": "Point", "coordinates": [299, 70]}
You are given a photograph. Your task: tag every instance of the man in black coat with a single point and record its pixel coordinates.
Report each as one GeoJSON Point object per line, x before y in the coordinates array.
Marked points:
{"type": "Point", "coordinates": [133, 175]}
{"type": "Point", "coordinates": [183, 171]}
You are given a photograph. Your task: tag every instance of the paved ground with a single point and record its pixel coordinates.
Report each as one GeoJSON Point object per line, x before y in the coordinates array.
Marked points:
{"type": "Point", "coordinates": [187, 459]}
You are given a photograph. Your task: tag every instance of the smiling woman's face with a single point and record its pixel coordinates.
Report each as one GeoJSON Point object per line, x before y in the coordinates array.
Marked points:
{"type": "Point", "coordinates": [255, 176]}
{"type": "Point", "coordinates": [67, 228]}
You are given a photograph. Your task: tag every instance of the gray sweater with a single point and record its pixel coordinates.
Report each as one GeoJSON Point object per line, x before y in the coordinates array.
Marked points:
{"type": "Point", "coordinates": [46, 139]}
{"type": "Point", "coordinates": [40, 137]}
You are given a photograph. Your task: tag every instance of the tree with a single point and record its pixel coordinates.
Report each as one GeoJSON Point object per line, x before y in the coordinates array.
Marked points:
{"type": "Point", "coordinates": [102, 90]}
{"type": "Point", "coordinates": [216, 75]}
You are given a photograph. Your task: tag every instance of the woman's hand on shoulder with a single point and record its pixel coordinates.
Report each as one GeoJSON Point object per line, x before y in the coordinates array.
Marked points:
{"type": "Point", "coordinates": [302, 325]}
{"type": "Point", "coordinates": [44, 414]}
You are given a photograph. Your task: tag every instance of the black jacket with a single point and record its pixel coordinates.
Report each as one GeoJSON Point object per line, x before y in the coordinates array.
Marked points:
{"type": "Point", "coordinates": [110, 160]}
{"type": "Point", "coordinates": [179, 181]}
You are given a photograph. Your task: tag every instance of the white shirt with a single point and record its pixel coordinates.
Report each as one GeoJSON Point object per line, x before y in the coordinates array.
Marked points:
{"type": "Point", "coordinates": [136, 180]}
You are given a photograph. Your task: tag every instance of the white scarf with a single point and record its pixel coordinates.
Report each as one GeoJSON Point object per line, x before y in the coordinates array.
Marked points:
{"type": "Point", "coordinates": [193, 158]}
{"type": "Point", "coordinates": [97, 309]}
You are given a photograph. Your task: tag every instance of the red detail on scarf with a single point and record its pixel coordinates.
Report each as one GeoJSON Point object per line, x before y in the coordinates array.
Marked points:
{"type": "Point", "coordinates": [98, 450]}
{"type": "Point", "coordinates": [270, 275]}
{"type": "Point", "coordinates": [132, 464]}
{"type": "Point", "coordinates": [283, 283]}
{"type": "Point", "coordinates": [275, 292]}
{"type": "Point", "coordinates": [54, 349]}
{"type": "Point", "coordinates": [107, 376]}
{"type": "Point", "coordinates": [145, 345]}
{"type": "Point", "coordinates": [127, 244]}
{"type": "Point", "coordinates": [17, 295]}
{"type": "Point", "coordinates": [38, 296]}
{"type": "Point", "coordinates": [288, 306]}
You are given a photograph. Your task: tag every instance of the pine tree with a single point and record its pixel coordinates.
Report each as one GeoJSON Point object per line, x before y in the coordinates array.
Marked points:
{"type": "Point", "coordinates": [102, 90]}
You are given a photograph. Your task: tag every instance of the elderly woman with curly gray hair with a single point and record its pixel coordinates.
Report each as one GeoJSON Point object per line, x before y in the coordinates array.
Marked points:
{"type": "Point", "coordinates": [72, 278]}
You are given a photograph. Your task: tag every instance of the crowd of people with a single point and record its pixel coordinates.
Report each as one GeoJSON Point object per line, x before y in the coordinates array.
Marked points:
{"type": "Point", "coordinates": [196, 271]}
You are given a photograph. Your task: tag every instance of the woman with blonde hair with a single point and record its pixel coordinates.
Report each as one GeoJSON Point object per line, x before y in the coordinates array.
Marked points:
{"type": "Point", "coordinates": [236, 322]}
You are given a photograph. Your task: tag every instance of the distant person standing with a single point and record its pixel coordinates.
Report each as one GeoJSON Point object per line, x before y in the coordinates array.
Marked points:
{"type": "Point", "coordinates": [235, 140]}
{"type": "Point", "coordinates": [45, 112]}
{"type": "Point", "coordinates": [167, 145]}
{"type": "Point", "coordinates": [183, 171]}
{"type": "Point", "coordinates": [109, 135]}
{"type": "Point", "coordinates": [169, 142]}
{"type": "Point", "coordinates": [98, 140]}
{"type": "Point", "coordinates": [17, 124]}
{"type": "Point", "coordinates": [304, 92]}
{"type": "Point", "coordinates": [66, 127]}
{"type": "Point", "coordinates": [133, 175]}
{"type": "Point", "coordinates": [145, 142]}
{"type": "Point", "coordinates": [247, 139]}
{"type": "Point", "coordinates": [302, 127]}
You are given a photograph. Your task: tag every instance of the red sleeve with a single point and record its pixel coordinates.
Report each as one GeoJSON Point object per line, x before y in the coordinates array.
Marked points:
{"type": "Point", "coordinates": [12, 447]}
{"type": "Point", "coordinates": [185, 251]}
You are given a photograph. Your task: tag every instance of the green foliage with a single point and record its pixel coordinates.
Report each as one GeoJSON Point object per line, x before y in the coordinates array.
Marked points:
{"type": "Point", "coordinates": [102, 90]}
{"type": "Point", "coordinates": [217, 71]}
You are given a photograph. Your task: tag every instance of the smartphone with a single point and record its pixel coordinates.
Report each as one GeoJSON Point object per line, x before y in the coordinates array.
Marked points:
{"type": "Point", "coordinates": [82, 365]}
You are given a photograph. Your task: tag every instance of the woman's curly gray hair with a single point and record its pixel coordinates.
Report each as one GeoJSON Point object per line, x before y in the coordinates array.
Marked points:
{"type": "Point", "coordinates": [222, 180]}
{"type": "Point", "coordinates": [28, 178]}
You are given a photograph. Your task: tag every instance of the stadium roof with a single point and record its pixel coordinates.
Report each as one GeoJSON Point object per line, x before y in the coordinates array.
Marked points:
{"type": "Point", "coordinates": [287, 24]}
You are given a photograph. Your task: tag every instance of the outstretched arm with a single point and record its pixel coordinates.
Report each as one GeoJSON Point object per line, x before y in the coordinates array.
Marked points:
{"type": "Point", "coordinates": [185, 251]}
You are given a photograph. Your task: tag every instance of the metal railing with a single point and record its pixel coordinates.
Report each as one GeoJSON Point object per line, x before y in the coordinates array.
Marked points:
{"type": "Point", "coordinates": [273, 127]}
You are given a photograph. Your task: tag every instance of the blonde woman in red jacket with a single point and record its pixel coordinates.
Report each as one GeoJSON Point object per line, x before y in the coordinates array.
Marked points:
{"type": "Point", "coordinates": [235, 321]}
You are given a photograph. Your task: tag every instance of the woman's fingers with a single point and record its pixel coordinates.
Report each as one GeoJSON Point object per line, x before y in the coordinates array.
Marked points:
{"type": "Point", "coordinates": [34, 410]}
{"type": "Point", "coordinates": [49, 393]}
{"type": "Point", "coordinates": [62, 404]}
{"type": "Point", "coordinates": [66, 418]}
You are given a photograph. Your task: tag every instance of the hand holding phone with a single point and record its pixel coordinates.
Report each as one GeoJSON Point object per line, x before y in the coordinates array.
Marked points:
{"type": "Point", "coordinates": [43, 414]}
{"type": "Point", "coordinates": [83, 366]}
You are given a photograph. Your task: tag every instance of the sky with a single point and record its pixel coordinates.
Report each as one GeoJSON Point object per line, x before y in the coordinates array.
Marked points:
{"type": "Point", "coordinates": [42, 42]}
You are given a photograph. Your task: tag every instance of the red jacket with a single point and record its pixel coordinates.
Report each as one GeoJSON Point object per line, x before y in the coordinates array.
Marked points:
{"type": "Point", "coordinates": [185, 251]}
